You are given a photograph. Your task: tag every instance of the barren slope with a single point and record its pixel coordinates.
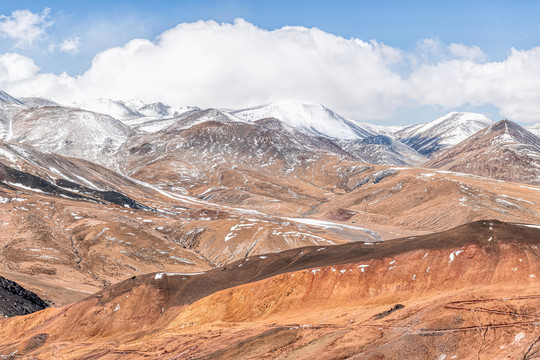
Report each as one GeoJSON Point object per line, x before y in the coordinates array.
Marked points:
{"type": "Point", "coordinates": [80, 225]}
{"type": "Point", "coordinates": [467, 292]}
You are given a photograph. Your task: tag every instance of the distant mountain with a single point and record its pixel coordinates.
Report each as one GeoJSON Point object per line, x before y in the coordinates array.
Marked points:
{"type": "Point", "coordinates": [388, 130]}
{"type": "Point", "coordinates": [448, 130]}
{"type": "Point", "coordinates": [383, 150]}
{"type": "Point", "coordinates": [210, 138]}
{"type": "Point", "coordinates": [504, 151]}
{"type": "Point", "coordinates": [38, 102]}
{"type": "Point", "coordinates": [161, 110]}
{"type": "Point", "coordinates": [71, 132]}
{"type": "Point", "coordinates": [115, 109]}
{"type": "Point", "coordinates": [6, 98]}
{"type": "Point", "coordinates": [135, 111]}
{"type": "Point", "coordinates": [310, 118]}
{"type": "Point", "coordinates": [24, 167]}
{"type": "Point", "coordinates": [535, 129]}
{"type": "Point", "coordinates": [8, 107]}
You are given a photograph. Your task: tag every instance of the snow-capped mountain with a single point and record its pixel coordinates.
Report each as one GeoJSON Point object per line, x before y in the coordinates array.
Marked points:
{"type": "Point", "coordinates": [132, 110]}
{"type": "Point", "coordinates": [310, 118]}
{"type": "Point", "coordinates": [388, 130]}
{"type": "Point", "coordinates": [116, 109]}
{"type": "Point", "coordinates": [383, 150]}
{"type": "Point", "coordinates": [210, 139]}
{"type": "Point", "coordinates": [161, 110]}
{"type": "Point", "coordinates": [71, 132]}
{"type": "Point", "coordinates": [504, 151]}
{"type": "Point", "coordinates": [535, 129]}
{"type": "Point", "coordinates": [6, 98]}
{"type": "Point", "coordinates": [8, 107]}
{"type": "Point", "coordinates": [448, 130]}
{"type": "Point", "coordinates": [38, 102]}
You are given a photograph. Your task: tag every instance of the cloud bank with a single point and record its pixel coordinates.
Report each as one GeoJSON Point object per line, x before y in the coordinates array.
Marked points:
{"type": "Point", "coordinates": [25, 27]}
{"type": "Point", "coordinates": [237, 65]}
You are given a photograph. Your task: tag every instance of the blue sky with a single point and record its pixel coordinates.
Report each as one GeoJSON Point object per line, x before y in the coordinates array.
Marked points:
{"type": "Point", "coordinates": [494, 26]}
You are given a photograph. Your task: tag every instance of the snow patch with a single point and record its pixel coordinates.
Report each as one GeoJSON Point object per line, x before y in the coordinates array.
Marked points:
{"type": "Point", "coordinates": [160, 275]}
{"type": "Point", "coordinates": [453, 255]}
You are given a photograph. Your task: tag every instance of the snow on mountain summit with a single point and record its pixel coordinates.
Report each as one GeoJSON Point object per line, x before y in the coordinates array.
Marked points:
{"type": "Point", "coordinates": [535, 129]}
{"type": "Point", "coordinates": [116, 109]}
{"type": "Point", "coordinates": [445, 131]}
{"type": "Point", "coordinates": [310, 118]}
{"type": "Point", "coordinates": [6, 98]}
{"type": "Point", "coordinates": [136, 114]}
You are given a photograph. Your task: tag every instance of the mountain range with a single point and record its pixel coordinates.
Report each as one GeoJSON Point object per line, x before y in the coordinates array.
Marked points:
{"type": "Point", "coordinates": [279, 231]}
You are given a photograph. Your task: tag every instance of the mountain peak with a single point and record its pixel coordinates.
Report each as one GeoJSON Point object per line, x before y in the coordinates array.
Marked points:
{"type": "Point", "coordinates": [310, 118]}
{"type": "Point", "coordinates": [504, 125]}
{"type": "Point", "coordinates": [508, 132]}
{"type": "Point", "coordinates": [445, 131]}
{"type": "Point", "coordinates": [504, 150]}
{"type": "Point", "coordinates": [6, 98]}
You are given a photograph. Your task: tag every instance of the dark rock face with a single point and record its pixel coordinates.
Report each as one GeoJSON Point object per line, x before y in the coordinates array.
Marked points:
{"type": "Point", "coordinates": [388, 312]}
{"type": "Point", "coordinates": [113, 197]}
{"type": "Point", "coordinates": [378, 140]}
{"type": "Point", "coordinates": [15, 300]}
{"type": "Point", "coordinates": [10, 175]}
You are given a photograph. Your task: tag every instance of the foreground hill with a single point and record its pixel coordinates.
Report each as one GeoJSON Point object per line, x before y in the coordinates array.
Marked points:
{"type": "Point", "coordinates": [467, 292]}
{"type": "Point", "coordinates": [504, 151]}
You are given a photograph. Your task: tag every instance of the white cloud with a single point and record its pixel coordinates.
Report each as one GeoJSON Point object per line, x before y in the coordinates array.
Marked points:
{"type": "Point", "coordinates": [24, 26]}
{"type": "Point", "coordinates": [511, 85]}
{"type": "Point", "coordinates": [234, 65]}
{"type": "Point", "coordinates": [71, 45]}
{"type": "Point", "coordinates": [428, 50]}
{"type": "Point", "coordinates": [15, 67]}
{"type": "Point", "coordinates": [465, 52]}
{"type": "Point", "coordinates": [239, 65]}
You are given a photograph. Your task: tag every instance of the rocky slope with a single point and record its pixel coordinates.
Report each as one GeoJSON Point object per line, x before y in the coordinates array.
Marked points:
{"type": "Point", "coordinates": [195, 149]}
{"type": "Point", "coordinates": [383, 150]}
{"type": "Point", "coordinates": [15, 300]}
{"type": "Point", "coordinates": [440, 295]}
{"type": "Point", "coordinates": [504, 151]}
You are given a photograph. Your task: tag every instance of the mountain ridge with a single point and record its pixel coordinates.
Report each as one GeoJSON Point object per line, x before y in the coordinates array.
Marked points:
{"type": "Point", "coordinates": [504, 151]}
{"type": "Point", "coordinates": [445, 131]}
